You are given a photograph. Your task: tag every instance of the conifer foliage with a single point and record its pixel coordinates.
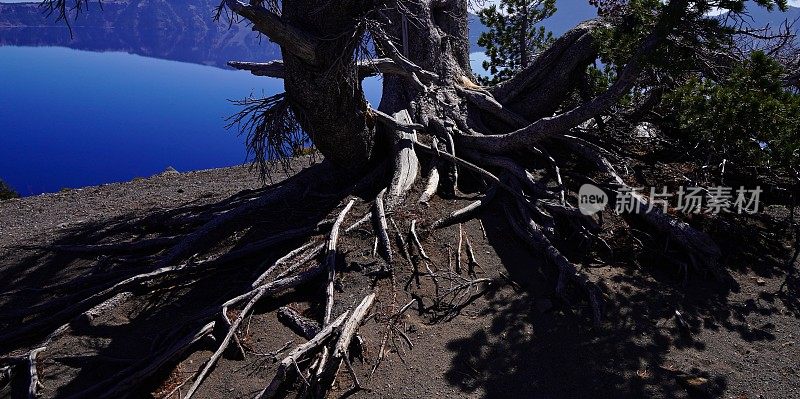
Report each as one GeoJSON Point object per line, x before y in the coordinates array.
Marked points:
{"type": "Point", "coordinates": [513, 38]}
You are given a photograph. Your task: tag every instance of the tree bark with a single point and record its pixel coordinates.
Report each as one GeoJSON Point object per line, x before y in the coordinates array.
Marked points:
{"type": "Point", "coordinates": [327, 97]}
{"type": "Point", "coordinates": [541, 87]}
{"type": "Point", "coordinates": [435, 37]}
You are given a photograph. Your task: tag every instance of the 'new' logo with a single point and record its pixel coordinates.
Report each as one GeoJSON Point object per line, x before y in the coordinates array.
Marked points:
{"type": "Point", "coordinates": [591, 199]}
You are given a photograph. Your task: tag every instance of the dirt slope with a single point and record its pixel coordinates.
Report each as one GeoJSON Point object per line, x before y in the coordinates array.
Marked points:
{"type": "Point", "coordinates": [742, 340]}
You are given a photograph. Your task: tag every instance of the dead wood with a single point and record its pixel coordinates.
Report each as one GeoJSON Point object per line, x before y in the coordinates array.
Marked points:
{"type": "Point", "coordinates": [303, 326]}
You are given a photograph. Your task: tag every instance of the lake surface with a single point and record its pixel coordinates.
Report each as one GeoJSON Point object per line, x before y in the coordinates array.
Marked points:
{"type": "Point", "coordinates": [71, 118]}
{"type": "Point", "coordinates": [138, 87]}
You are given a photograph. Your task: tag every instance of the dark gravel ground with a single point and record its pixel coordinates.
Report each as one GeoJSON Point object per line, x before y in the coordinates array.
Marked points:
{"type": "Point", "coordinates": [742, 339]}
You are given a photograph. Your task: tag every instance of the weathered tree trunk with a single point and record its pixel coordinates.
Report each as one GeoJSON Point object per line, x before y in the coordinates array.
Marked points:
{"type": "Point", "coordinates": [428, 97]}
{"type": "Point", "coordinates": [539, 89]}
{"type": "Point", "coordinates": [427, 42]}
{"type": "Point", "coordinates": [433, 35]}
{"type": "Point", "coordinates": [327, 95]}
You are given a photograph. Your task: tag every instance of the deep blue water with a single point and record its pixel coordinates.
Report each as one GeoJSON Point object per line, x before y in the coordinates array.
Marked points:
{"type": "Point", "coordinates": [139, 87]}
{"type": "Point", "coordinates": [72, 118]}
{"type": "Point", "coordinates": [120, 100]}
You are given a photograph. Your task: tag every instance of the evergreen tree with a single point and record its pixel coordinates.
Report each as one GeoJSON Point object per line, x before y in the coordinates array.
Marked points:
{"type": "Point", "coordinates": [749, 116]}
{"type": "Point", "coordinates": [513, 40]}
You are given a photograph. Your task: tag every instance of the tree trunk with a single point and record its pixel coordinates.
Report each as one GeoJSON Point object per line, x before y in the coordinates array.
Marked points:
{"type": "Point", "coordinates": [327, 97]}
{"type": "Point", "coordinates": [433, 35]}
{"type": "Point", "coordinates": [539, 89]}
{"type": "Point", "coordinates": [428, 98]}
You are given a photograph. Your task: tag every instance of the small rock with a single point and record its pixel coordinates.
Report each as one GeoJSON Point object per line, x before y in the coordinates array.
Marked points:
{"type": "Point", "coordinates": [760, 281]}
{"type": "Point", "coordinates": [694, 383]}
{"type": "Point", "coordinates": [680, 321]}
{"type": "Point", "coordinates": [169, 171]}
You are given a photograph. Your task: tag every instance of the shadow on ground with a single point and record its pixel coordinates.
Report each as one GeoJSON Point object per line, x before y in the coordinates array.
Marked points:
{"type": "Point", "coordinates": [538, 346]}
{"type": "Point", "coordinates": [38, 284]}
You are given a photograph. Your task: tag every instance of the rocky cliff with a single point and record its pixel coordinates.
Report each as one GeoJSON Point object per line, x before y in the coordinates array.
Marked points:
{"type": "Point", "coordinates": [175, 30]}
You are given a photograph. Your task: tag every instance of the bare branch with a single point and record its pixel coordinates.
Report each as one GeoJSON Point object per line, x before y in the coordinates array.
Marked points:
{"type": "Point", "coordinates": [366, 68]}
{"type": "Point", "coordinates": [287, 365]}
{"type": "Point", "coordinates": [523, 139]}
{"type": "Point", "coordinates": [272, 69]}
{"type": "Point", "coordinates": [290, 38]}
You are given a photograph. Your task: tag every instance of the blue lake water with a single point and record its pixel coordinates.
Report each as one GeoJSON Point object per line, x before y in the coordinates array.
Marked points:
{"type": "Point", "coordinates": [139, 86]}
{"type": "Point", "coordinates": [72, 118]}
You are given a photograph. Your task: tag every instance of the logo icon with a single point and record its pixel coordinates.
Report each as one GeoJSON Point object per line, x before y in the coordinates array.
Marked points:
{"type": "Point", "coordinates": [591, 199]}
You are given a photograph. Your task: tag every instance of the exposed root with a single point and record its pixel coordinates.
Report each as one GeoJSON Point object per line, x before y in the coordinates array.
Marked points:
{"type": "Point", "coordinates": [557, 172]}
{"type": "Point", "coordinates": [469, 166]}
{"type": "Point", "coordinates": [106, 306]}
{"type": "Point", "coordinates": [69, 308]}
{"type": "Point", "coordinates": [27, 384]}
{"type": "Point", "coordinates": [298, 323]}
{"type": "Point", "coordinates": [254, 296]}
{"type": "Point", "coordinates": [121, 384]}
{"type": "Point", "coordinates": [531, 184]}
{"type": "Point", "coordinates": [311, 253]}
{"type": "Point", "coordinates": [529, 209]}
{"type": "Point", "coordinates": [330, 261]}
{"type": "Point", "coordinates": [458, 248]}
{"type": "Point", "coordinates": [416, 241]}
{"type": "Point", "coordinates": [452, 171]}
{"type": "Point", "coordinates": [289, 363]}
{"type": "Point", "coordinates": [406, 164]}
{"type": "Point", "coordinates": [81, 306]}
{"type": "Point", "coordinates": [390, 330]}
{"type": "Point", "coordinates": [462, 292]}
{"type": "Point", "coordinates": [466, 213]}
{"type": "Point", "coordinates": [402, 243]}
{"type": "Point", "coordinates": [340, 351]}
{"type": "Point", "coordinates": [382, 228]}
{"type": "Point", "coordinates": [218, 226]}
{"type": "Point", "coordinates": [529, 231]}
{"type": "Point", "coordinates": [432, 182]}
{"type": "Point", "coordinates": [472, 262]}
{"type": "Point", "coordinates": [699, 244]}
{"type": "Point", "coordinates": [227, 325]}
